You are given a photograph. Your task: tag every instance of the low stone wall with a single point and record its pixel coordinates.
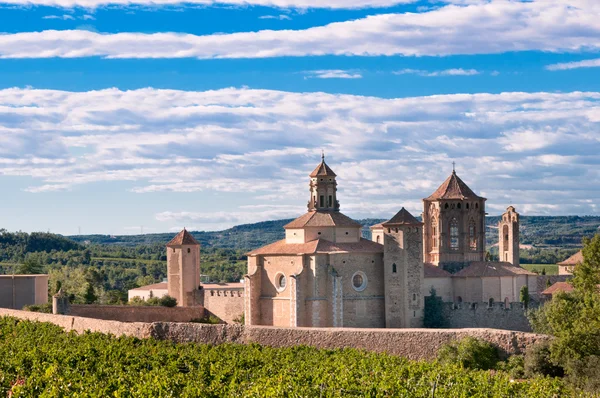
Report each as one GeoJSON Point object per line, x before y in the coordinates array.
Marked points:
{"type": "Point", "coordinates": [410, 343]}
{"type": "Point", "coordinates": [481, 315]}
{"type": "Point", "coordinates": [131, 313]}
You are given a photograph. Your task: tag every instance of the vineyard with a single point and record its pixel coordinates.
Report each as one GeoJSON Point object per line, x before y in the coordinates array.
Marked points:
{"type": "Point", "coordinates": [38, 359]}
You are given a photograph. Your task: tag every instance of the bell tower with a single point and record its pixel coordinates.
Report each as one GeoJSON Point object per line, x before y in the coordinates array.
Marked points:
{"type": "Point", "coordinates": [323, 189]}
{"type": "Point", "coordinates": [183, 269]}
{"type": "Point", "coordinates": [508, 229]}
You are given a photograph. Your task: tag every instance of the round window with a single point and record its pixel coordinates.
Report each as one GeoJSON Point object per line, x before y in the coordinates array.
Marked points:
{"type": "Point", "coordinates": [359, 281]}
{"type": "Point", "coordinates": [281, 282]}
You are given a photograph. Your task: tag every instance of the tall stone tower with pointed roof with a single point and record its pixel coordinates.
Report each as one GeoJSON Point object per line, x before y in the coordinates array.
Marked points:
{"type": "Point", "coordinates": [402, 269]}
{"type": "Point", "coordinates": [508, 229]}
{"type": "Point", "coordinates": [183, 269]}
{"type": "Point", "coordinates": [323, 189]}
{"type": "Point", "coordinates": [454, 225]}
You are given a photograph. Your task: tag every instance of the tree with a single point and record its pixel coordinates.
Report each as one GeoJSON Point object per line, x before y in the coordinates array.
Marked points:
{"type": "Point", "coordinates": [433, 314]}
{"type": "Point", "coordinates": [90, 296]}
{"type": "Point", "coordinates": [29, 267]}
{"type": "Point", "coordinates": [524, 296]}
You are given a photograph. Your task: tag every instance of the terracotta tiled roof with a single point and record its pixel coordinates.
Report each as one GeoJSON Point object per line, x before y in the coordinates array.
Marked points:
{"type": "Point", "coordinates": [575, 259]}
{"type": "Point", "coordinates": [491, 269]}
{"type": "Point", "coordinates": [403, 217]}
{"type": "Point", "coordinates": [319, 246]}
{"type": "Point", "coordinates": [156, 286]}
{"type": "Point", "coordinates": [322, 170]}
{"type": "Point", "coordinates": [559, 287]}
{"type": "Point", "coordinates": [183, 238]}
{"type": "Point", "coordinates": [323, 219]}
{"type": "Point", "coordinates": [453, 188]}
{"type": "Point", "coordinates": [376, 226]}
{"type": "Point", "coordinates": [432, 271]}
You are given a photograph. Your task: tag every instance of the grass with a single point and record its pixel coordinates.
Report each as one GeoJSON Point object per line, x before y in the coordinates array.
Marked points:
{"type": "Point", "coordinates": [551, 269]}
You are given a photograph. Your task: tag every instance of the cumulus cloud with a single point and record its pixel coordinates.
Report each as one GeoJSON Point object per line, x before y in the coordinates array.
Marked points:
{"type": "Point", "coordinates": [588, 63]}
{"type": "Point", "coordinates": [333, 74]}
{"type": "Point", "coordinates": [446, 72]}
{"type": "Point", "coordinates": [550, 25]}
{"type": "Point", "coordinates": [529, 149]}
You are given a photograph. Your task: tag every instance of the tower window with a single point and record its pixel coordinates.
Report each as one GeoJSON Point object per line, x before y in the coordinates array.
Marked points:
{"type": "Point", "coordinates": [446, 206]}
{"type": "Point", "coordinates": [378, 238]}
{"type": "Point", "coordinates": [330, 201]}
{"type": "Point", "coordinates": [189, 250]}
{"type": "Point", "coordinates": [414, 297]}
{"type": "Point", "coordinates": [467, 206]}
{"type": "Point", "coordinates": [394, 268]}
{"type": "Point", "coordinates": [472, 236]}
{"type": "Point", "coordinates": [477, 205]}
{"type": "Point", "coordinates": [322, 201]}
{"type": "Point", "coordinates": [458, 205]}
{"type": "Point", "coordinates": [434, 237]}
{"type": "Point", "coordinates": [454, 234]}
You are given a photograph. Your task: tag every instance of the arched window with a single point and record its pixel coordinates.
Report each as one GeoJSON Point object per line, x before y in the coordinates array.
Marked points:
{"type": "Point", "coordinates": [454, 234]}
{"type": "Point", "coordinates": [505, 235]}
{"type": "Point", "coordinates": [378, 239]}
{"type": "Point", "coordinates": [458, 205]}
{"type": "Point", "coordinates": [491, 302]}
{"type": "Point", "coordinates": [394, 268]}
{"type": "Point", "coordinates": [446, 206]}
{"type": "Point", "coordinates": [434, 234]}
{"type": "Point", "coordinates": [472, 235]}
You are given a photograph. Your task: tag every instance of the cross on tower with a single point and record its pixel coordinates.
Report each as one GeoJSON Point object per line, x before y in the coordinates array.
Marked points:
{"type": "Point", "coordinates": [453, 166]}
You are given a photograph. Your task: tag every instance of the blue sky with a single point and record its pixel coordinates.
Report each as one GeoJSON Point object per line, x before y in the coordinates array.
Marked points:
{"type": "Point", "coordinates": [120, 114]}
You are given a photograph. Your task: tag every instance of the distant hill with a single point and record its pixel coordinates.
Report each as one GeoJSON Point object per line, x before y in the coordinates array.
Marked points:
{"type": "Point", "coordinates": [561, 231]}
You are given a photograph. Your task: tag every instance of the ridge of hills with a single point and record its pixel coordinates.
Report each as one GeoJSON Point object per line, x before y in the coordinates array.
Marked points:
{"type": "Point", "coordinates": [537, 231]}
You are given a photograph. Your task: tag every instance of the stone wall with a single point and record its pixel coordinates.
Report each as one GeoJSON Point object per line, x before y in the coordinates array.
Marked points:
{"type": "Point", "coordinates": [17, 291]}
{"type": "Point", "coordinates": [410, 343]}
{"type": "Point", "coordinates": [225, 304]}
{"type": "Point", "coordinates": [481, 315]}
{"type": "Point", "coordinates": [134, 313]}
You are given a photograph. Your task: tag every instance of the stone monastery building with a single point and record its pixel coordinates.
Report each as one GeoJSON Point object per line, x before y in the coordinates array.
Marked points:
{"type": "Point", "coordinates": [325, 274]}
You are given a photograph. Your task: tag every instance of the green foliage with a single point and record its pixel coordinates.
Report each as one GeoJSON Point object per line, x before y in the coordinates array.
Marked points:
{"type": "Point", "coordinates": [433, 314]}
{"type": "Point", "coordinates": [90, 295]}
{"type": "Point", "coordinates": [538, 362]}
{"type": "Point", "coordinates": [241, 319]}
{"type": "Point", "coordinates": [524, 296]}
{"type": "Point", "coordinates": [210, 319]}
{"type": "Point", "coordinates": [574, 319]}
{"type": "Point", "coordinates": [38, 359]}
{"type": "Point", "coordinates": [470, 353]}
{"type": "Point", "coordinates": [165, 301]}
{"type": "Point", "coordinates": [45, 308]}
{"type": "Point", "coordinates": [514, 366]}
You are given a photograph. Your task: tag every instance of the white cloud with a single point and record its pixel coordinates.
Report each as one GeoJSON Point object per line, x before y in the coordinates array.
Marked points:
{"type": "Point", "coordinates": [333, 74]}
{"type": "Point", "coordinates": [301, 4]}
{"type": "Point", "coordinates": [446, 72]}
{"type": "Point", "coordinates": [479, 28]}
{"type": "Point", "coordinates": [522, 148]}
{"type": "Point", "coordinates": [64, 17]}
{"type": "Point", "coordinates": [589, 63]}
{"type": "Point", "coordinates": [280, 17]}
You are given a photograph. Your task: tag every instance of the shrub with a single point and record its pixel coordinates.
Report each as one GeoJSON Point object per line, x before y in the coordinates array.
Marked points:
{"type": "Point", "coordinates": [470, 353]}
{"type": "Point", "coordinates": [514, 366]}
{"type": "Point", "coordinates": [45, 308]}
{"type": "Point", "coordinates": [165, 301]}
{"type": "Point", "coordinates": [585, 373]}
{"type": "Point", "coordinates": [537, 362]}
{"type": "Point", "coordinates": [137, 301]}
{"type": "Point", "coordinates": [211, 319]}
{"type": "Point", "coordinates": [168, 301]}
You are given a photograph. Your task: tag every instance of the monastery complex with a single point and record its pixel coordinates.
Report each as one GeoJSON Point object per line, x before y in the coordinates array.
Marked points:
{"type": "Point", "coordinates": [325, 274]}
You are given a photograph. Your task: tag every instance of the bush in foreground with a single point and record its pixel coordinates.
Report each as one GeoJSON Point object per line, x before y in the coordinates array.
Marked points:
{"type": "Point", "coordinates": [38, 359]}
{"type": "Point", "coordinates": [470, 353]}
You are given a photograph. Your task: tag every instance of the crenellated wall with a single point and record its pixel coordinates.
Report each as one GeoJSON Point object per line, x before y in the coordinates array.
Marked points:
{"type": "Point", "coordinates": [482, 315]}
{"type": "Point", "coordinates": [225, 304]}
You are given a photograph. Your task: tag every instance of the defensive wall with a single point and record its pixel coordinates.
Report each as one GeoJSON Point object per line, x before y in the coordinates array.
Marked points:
{"type": "Point", "coordinates": [226, 303]}
{"type": "Point", "coordinates": [137, 313]}
{"type": "Point", "coordinates": [410, 343]}
{"type": "Point", "coordinates": [483, 315]}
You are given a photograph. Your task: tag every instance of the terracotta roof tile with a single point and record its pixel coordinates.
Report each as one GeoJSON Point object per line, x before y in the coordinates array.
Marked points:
{"type": "Point", "coordinates": [559, 287]}
{"type": "Point", "coordinates": [183, 238]}
{"type": "Point", "coordinates": [492, 269]}
{"type": "Point", "coordinates": [323, 219]}
{"type": "Point", "coordinates": [322, 170]}
{"type": "Point", "coordinates": [403, 217]}
{"type": "Point", "coordinates": [453, 188]}
{"type": "Point", "coordinates": [432, 271]}
{"type": "Point", "coordinates": [319, 246]}
{"type": "Point", "coordinates": [575, 259]}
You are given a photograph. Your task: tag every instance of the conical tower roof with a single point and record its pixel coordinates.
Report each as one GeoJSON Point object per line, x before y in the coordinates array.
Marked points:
{"type": "Point", "coordinates": [453, 188]}
{"type": "Point", "coordinates": [322, 170]}
{"type": "Point", "coordinates": [403, 217]}
{"type": "Point", "coordinates": [183, 238]}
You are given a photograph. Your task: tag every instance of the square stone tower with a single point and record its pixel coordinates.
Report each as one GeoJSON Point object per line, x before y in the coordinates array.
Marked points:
{"type": "Point", "coordinates": [403, 271]}
{"type": "Point", "coordinates": [183, 269]}
{"type": "Point", "coordinates": [508, 242]}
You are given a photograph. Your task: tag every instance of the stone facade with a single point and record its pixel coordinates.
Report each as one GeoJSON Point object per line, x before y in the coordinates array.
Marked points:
{"type": "Point", "coordinates": [225, 301]}
{"type": "Point", "coordinates": [17, 291]}
{"type": "Point", "coordinates": [137, 313]}
{"type": "Point", "coordinates": [183, 269]}
{"type": "Point", "coordinates": [508, 240]}
{"type": "Point", "coordinates": [498, 315]}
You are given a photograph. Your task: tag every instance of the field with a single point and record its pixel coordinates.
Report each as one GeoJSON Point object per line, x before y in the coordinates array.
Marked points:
{"type": "Point", "coordinates": [551, 269]}
{"type": "Point", "coordinates": [38, 359]}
